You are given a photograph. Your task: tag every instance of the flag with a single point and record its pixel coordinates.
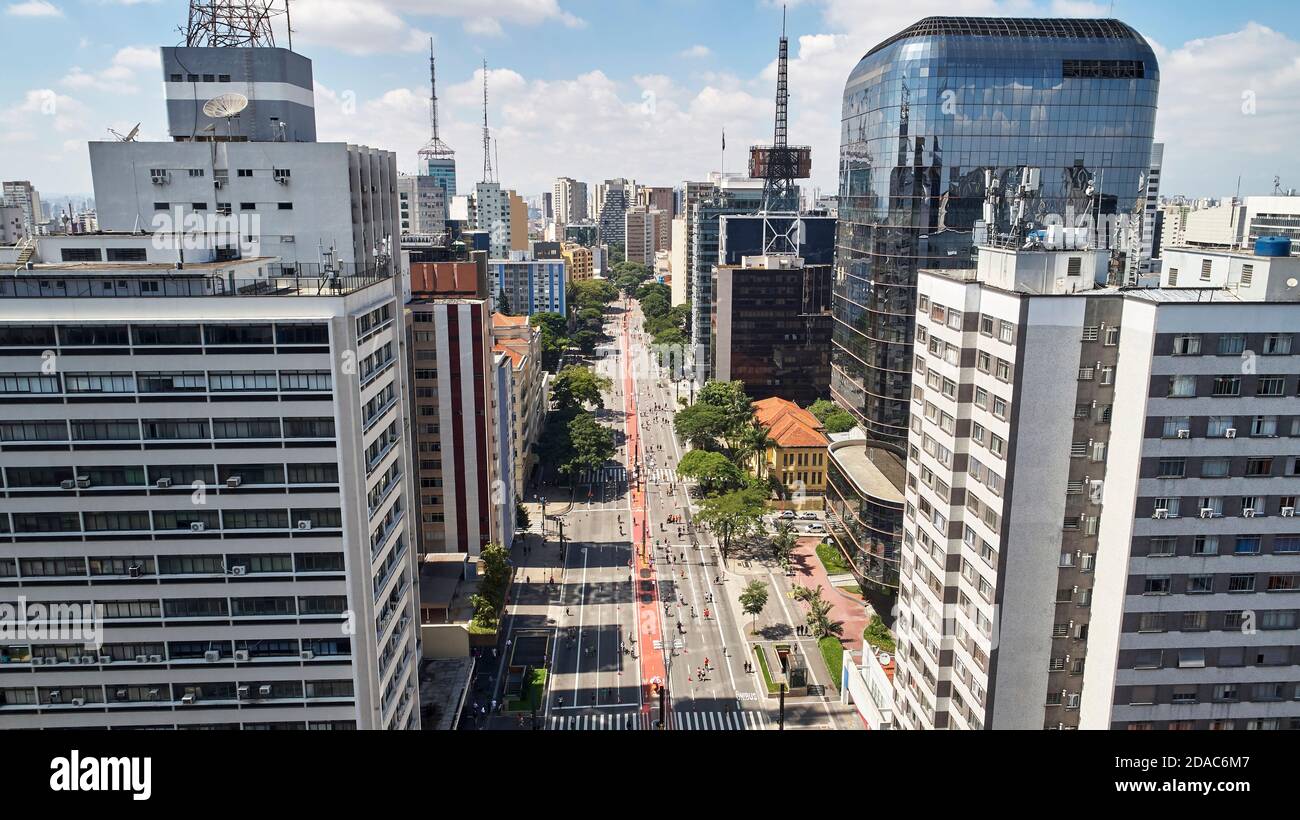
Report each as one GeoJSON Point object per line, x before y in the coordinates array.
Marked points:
{"type": "Point", "coordinates": [724, 139]}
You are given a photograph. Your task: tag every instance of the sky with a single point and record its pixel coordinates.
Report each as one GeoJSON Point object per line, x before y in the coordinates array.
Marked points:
{"type": "Point", "coordinates": [595, 89]}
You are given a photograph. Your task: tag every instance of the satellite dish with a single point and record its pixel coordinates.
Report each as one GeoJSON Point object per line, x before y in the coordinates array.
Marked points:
{"type": "Point", "coordinates": [226, 105]}
{"type": "Point", "coordinates": [128, 137]}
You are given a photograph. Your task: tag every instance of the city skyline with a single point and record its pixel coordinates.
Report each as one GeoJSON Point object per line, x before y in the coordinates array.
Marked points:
{"type": "Point", "coordinates": [571, 95]}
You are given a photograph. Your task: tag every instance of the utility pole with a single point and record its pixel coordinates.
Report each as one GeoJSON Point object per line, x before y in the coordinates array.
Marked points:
{"type": "Point", "coordinates": [780, 720]}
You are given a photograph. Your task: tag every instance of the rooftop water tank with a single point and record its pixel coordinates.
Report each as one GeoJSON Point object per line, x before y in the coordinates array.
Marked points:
{"type": "Point", "coordinates": [1273, 246]}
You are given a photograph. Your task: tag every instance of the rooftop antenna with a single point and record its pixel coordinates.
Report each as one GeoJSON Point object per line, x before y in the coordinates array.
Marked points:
{"type": "Point", "coordinates": [134, 132]}
{"type": "Point", "coordinates": [779, 192]}
{"type": "Point", "coordinates": [232, 23]}
{"type": "Point", "coordinates": [435, 149]}
{"type": "Point", "coordinates": [487, 138]}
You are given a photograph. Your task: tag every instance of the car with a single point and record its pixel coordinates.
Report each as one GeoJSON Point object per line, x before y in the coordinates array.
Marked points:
{"type": "Point", "coordinates": [818, 528]}
{"type": "Point", "coordinates": [786, 514]}
{"type": "Point", "coordinates": [808, 515]}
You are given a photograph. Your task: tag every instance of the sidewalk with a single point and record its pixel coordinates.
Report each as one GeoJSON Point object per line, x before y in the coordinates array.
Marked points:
{"type": "Point", "coordinates": [809, 572]}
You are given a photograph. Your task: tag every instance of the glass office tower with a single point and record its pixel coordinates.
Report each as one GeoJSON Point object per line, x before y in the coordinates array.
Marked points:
{"type": "Point", "coordinates": [926, 112]}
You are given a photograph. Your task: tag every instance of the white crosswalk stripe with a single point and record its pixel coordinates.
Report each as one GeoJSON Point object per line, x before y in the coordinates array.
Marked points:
{"type": "Point", "coordinates": [605, 475]}
{"type": "Point", "coordinates": [711, 721]}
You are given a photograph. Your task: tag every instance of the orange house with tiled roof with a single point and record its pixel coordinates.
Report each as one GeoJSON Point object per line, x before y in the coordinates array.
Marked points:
{"type": "Point", "coordinates": [797, 452]}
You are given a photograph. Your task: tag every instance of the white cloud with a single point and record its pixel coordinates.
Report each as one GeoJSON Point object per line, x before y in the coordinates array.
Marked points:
{"type": "Point", "coordinates": [121, 75]}
{"type": "Point", "coordinates": [696, 51]}
{"type": "Point", "coordinates": [1079, 8]}
{"type": "Point", "coordinates": [355, 27]}
{"type": "Point", "coordinates": [34, 8]}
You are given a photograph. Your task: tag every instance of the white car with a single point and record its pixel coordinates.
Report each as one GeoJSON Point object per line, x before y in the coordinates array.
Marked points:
{"type": "Point", "coordinates": [786, 514]}
{"type": "Point", "coordinates": [808, 516]}
{"type": "Point", "coordinates": [816, 528]}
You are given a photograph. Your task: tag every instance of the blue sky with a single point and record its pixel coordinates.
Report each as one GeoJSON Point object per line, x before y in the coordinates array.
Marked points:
{"type": "Point", "coordinates": [623, 87]}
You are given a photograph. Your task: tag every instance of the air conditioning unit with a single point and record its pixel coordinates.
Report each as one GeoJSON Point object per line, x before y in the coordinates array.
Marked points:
{"type": "Point", "coordinates": [282, 179]}
{"type": "Point", "coordinates": [1288, 512]}
{"type": "Point", "coordinates": [239, 570]}
{"type": "Point", "coordinates": [120, 694]}
{"type": "Point", "coordinates": [241, 691]}
{"type": "Point", "coordinates": [78, 701]}
{"type": "Point", "coordinates": [141, 658]}
{"type": "Point", "coordinates": [37, 661]}
{"type": "Point", "coordinates": [212, 656]}
{"type": "Point", "coordinates": [241, 654]}
{"type": "Point", "coordinates": [161, 178]}
{"type": "Point", "coordinates": [1207, 512]}
{"type": "Point", "coordinates": [89, 660]}
{"type": "Point", "coordinates": [1160, 514]}
{"type": "Point", "coordinates": [105, 659]}
{"type": "Point", "coordinates": [1184, 433]}
{"type": "Point", "coordinates": [264, 691]}
{"type": "Point", "coordinates": [67, 484]}
{"type": "Point", "coordinates": [197, 526]}
{"type": "Point", "coordinates": [234, 481]}
{"type": "Point", "coordinates": [135, 570]}
{"type": "Point", "coordinates": [83, 481]}
{"type": "Point", "coordinates": [187, 700]}
{"type": "Point", "coordinates": [1248, 512]}
{"type": "Point", "coordinates": [56, 696]}
{"type": "Point", "coordinates": [163, 483]}
{"type": "Point", "coordinates": [153, 694]}
{"type": "Point", "coordinates": [306, 654]}
{"type": "Point", "coordinates": [218, 183]}
{"type": "Point", "coordinates": [155, 659]}
{"type": "Point", "coordinates": [304, 524]}
{"type": "Point", "coordinates": [1231, 432]}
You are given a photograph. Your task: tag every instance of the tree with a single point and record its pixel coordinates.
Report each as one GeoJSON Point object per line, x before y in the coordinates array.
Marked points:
{"type": "Point", "coordinates": [577, 386]}
{"type": "Point", "coordinates": [783, 544]}
{"type": "Point", "coordinates": [714, 471]}
{"type": "Point", "coordinates": [736, 406]}
{"type": "Point", "coordinates": [503, 302]}
{"type": "Point", "coordinates": [651, 288]}
{"type": "Point", "coordinates": [523, 520]}
{"type": "Point", "coordinates": [656, 305]}
{"type": "Point", "coordinates": [593, 293]}
{"type": "Point", "coordinates": [753, 442]}
{"type": "Point", "coordinates": [878, 635]}
{"type": "Point", "coordinates": [593, 444]}
{"type": "Point", "coordinates": [732, 514]}
{"type": "Point", "coordinates": [752, 600]}
{"type": "Point", "coordinates": [834, 418]}
{"type": "Point", "coordinates": [819, 617]}
{"type": "Point", "coordinates": [616, 252]}
{"type": "Point", "coordinates": [494, 578]}
{"type": "Point", "coordinates": [586, 340]}
{"type": "Point", "coordinates": [700, 424]}
{"type": "Point", "coordinates": [554, 341]}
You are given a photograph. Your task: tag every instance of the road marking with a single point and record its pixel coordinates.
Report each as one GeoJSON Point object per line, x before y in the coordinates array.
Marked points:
{"type": "Point", "coordinates": [582, 610]}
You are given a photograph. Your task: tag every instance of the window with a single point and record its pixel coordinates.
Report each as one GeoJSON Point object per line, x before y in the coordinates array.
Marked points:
{"type": "Point", "coordinates": [1172, 468]}
{"type": "Point", "coordinates": [1182, 386]}
{"type": "Point", "coordinates": [1156, 585]}
{"type": "Point", "coordinates": [1263, 426]}
{"type": "Point", "coordinates": [1270, 386]}
{"type": "Point", "coordinates": [1232, 344]}
{"type": "Point", "coordinates": [1112, 337]}
{"type": "Point", "coordinates": [1006, 332]}
{"type": "Point", "coordinates": [1226, 386]}
{"type": "Point", "coordinates": [1205, 545]}
{"type": "Point", "coordinates": [1277, 344]}
{"type": "Point", "coordinates": [1217, 426]}
{"type": "Point", "coordinates": [1187, 345]}
{"type": "Point", "coordinates": [284, 206]}
{"type": "Point", "coordinates": [1241, 583]}
{"type": "Point", "coordinates": [1259, 466]}
{"type": "Point", "coordinates": [986, 325]}
{"type": "Point", "coordinates": [1206, 265]}
{"type": "Point", "coordinates": [1176, 425]}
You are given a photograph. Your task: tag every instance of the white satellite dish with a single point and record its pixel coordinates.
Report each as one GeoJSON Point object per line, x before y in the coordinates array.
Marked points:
{"type": "Point", "coordinates": [129, 137]}
{"type": "Point", "coordinates": [226, 105]}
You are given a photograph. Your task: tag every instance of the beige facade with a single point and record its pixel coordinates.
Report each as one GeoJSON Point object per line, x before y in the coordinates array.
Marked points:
{"type": "Point", "coordinates": [578, 261]}
{"type": "Point", "coordinates": [513, 336]}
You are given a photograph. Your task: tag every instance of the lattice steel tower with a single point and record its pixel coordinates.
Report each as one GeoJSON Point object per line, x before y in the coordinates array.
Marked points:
{"type": "Point", "coordinates": [435, 149]}
{"type": "Point", "coordinates": [232, 23]}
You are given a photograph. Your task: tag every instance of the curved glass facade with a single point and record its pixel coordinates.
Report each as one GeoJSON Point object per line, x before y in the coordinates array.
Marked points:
{"type": "Point", "coordinates": [925, 114]}
{"type": "Point", "coordinates": [867, 526]}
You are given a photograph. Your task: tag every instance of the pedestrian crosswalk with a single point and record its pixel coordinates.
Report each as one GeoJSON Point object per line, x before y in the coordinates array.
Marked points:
{"type": "Point", "coordinates": [662, 475]}
{"type": "Point", "coordinates": [605, 475]}
{"type": "Point", "coordinates": [746, 720]}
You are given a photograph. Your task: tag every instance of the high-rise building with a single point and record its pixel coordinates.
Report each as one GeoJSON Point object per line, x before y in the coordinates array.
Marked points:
{"type": "Point", "coordinates": [1077, 99]}
{"type": "Point", "coordinates": [732, 195]}
{"type": "Point", "coordinates": [1273, 216]}
{"type": "Point", "coordinates": [219, 466]}
{"type": "Point", "coordinates": [578, 261]}
{"type": "Point", "coordinates": [521, 343]}
{"type": "Point", "coordinates": [1096, 523]}
{"type": "Point", "coordinates": [453, 399]}
{"type": "Point", "coordinates": [504, 215]}
{"type": "Point", "coordinates": [569, 198]}
{"type": "Point", "coordinates": [677, 263]}
{"type": "Point", "coordinates": [647, 231]}
{"type": "Point", "coordinates": [21, 195]}
{"type": "Point", "coordinates": [771, 327]}
{"type": "Point", "coordinates": [520, 285]}
{"type": "Point", "coordinates": [660, 197]}
{"type": "Point", "coordinates": [613, 198]}
{"type": "Point", "coordinates": [422, 205]}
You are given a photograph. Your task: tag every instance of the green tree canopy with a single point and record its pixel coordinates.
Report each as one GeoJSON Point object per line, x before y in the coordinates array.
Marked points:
{"type": "Point", "coordinates": [700, 424]}
{"type": "Point", "coordinates": [578, 386]}
{"type": "Point", "coordinates": [730, 398]}
{"type": "Point", "coordinates": [593, 444]}
{"type": "Point", "coordinates": [733, 514]}
{"type": "Point", "coordinates": [833, 417]}
{"type": "Point", "coordinates": [752, 600]}
{"type": "Point", "coordinates": [715, 472]}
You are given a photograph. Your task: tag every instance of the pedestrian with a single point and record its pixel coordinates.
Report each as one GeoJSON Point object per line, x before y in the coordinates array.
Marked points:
{"type": "Point", "coordinates": [494, 651]}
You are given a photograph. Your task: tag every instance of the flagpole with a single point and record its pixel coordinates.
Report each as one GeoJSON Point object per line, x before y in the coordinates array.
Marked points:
{"type": "Point", "coordinates": [722, 172]}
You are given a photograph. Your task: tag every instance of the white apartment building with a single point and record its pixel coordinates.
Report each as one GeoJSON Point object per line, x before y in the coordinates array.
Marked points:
{"type": "Point", "coordinates": [1098, 488]}
{"type": "Point", "coordinates": [422, 205]}
{"type": "Point", "coordinates": [569, 201]}
{"type": "Point", "coordinates": [22, 195]}
{"type": "Point", "coordinates": [215, 457]}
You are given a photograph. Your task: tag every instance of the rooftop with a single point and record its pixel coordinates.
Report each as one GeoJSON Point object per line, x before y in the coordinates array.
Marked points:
{"type": "Point", "coordinates": [876, 472]}
{"type": "Point", "coordinates": [1076, 28]}
{"type": "Point", "coordinates": [260, 276]}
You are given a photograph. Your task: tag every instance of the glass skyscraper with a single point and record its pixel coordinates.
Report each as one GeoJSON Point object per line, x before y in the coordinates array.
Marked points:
{"type": "Point", "coordinates": [926, 113]}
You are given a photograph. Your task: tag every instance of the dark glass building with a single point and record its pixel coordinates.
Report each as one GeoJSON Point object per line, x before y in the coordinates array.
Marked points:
{"type": "Point", "coordinates": [926, 113]}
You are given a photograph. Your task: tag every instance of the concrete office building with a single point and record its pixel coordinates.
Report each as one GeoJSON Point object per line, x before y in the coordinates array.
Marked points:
{"type": "Point", "coordinates": [1273, 216]}
{"type": "Point", "coordinates": [662, 198]}
{"type": "Point", "coordinates": [569, 199]}
{"type": "Point", "coordinates": [912, 175]}
{"type": "Point", "coordinates": [771, 327]}
{"type": "Point", "coordinates": [422, 205]}
{"type": "Point", "coordinates": [647, 231]}
{"type": "Point", "coordinates": [1083, 526]}
{"type": "Point", "coordinates": [504, 215]}
{"type": "Point", "coordinates": [521, 343]}
{"type": "Point", "coordinates": [22, 195]}
{"type": "Point", "coordinates": [578, 260]}
{"type": "Point", "coordinates": [453, 406]}
{"type": "Point", "coordinates": [613, 198]}
{"type": "Point", "coordinates": [219, 464]}
{"type": "Point", "coordinates": [677, 263]}
{"type": "Point", "coordinates": [521, 285]}
{"type": "Point", "coordinates": [1217, 226]}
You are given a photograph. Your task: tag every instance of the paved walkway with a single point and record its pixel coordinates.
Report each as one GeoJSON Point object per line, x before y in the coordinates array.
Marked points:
{"type": "Point", "coordinates": [809, 572]}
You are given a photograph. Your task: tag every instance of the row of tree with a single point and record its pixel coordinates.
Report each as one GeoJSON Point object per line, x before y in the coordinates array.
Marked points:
{"type": "Point", "coordinates": [574, 441]}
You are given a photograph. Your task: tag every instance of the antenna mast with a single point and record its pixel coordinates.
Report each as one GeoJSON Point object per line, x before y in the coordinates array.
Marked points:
{"type": "Point", "coordinates": [779, 193]}
{"type": "Point", "coordinates": [231, 23]}
{"type": "Point", "coordinates": [487, 137]}
{"type": "Point", "coordinates": [436, 149]}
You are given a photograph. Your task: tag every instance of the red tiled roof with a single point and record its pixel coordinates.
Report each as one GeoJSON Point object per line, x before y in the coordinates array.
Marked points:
{"type": "Point", "coordinates": [770, 412]}
{"type": "Point", "coordinates": [791, 431]}
{"type": "Point", "coordinates": [502, 320]}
